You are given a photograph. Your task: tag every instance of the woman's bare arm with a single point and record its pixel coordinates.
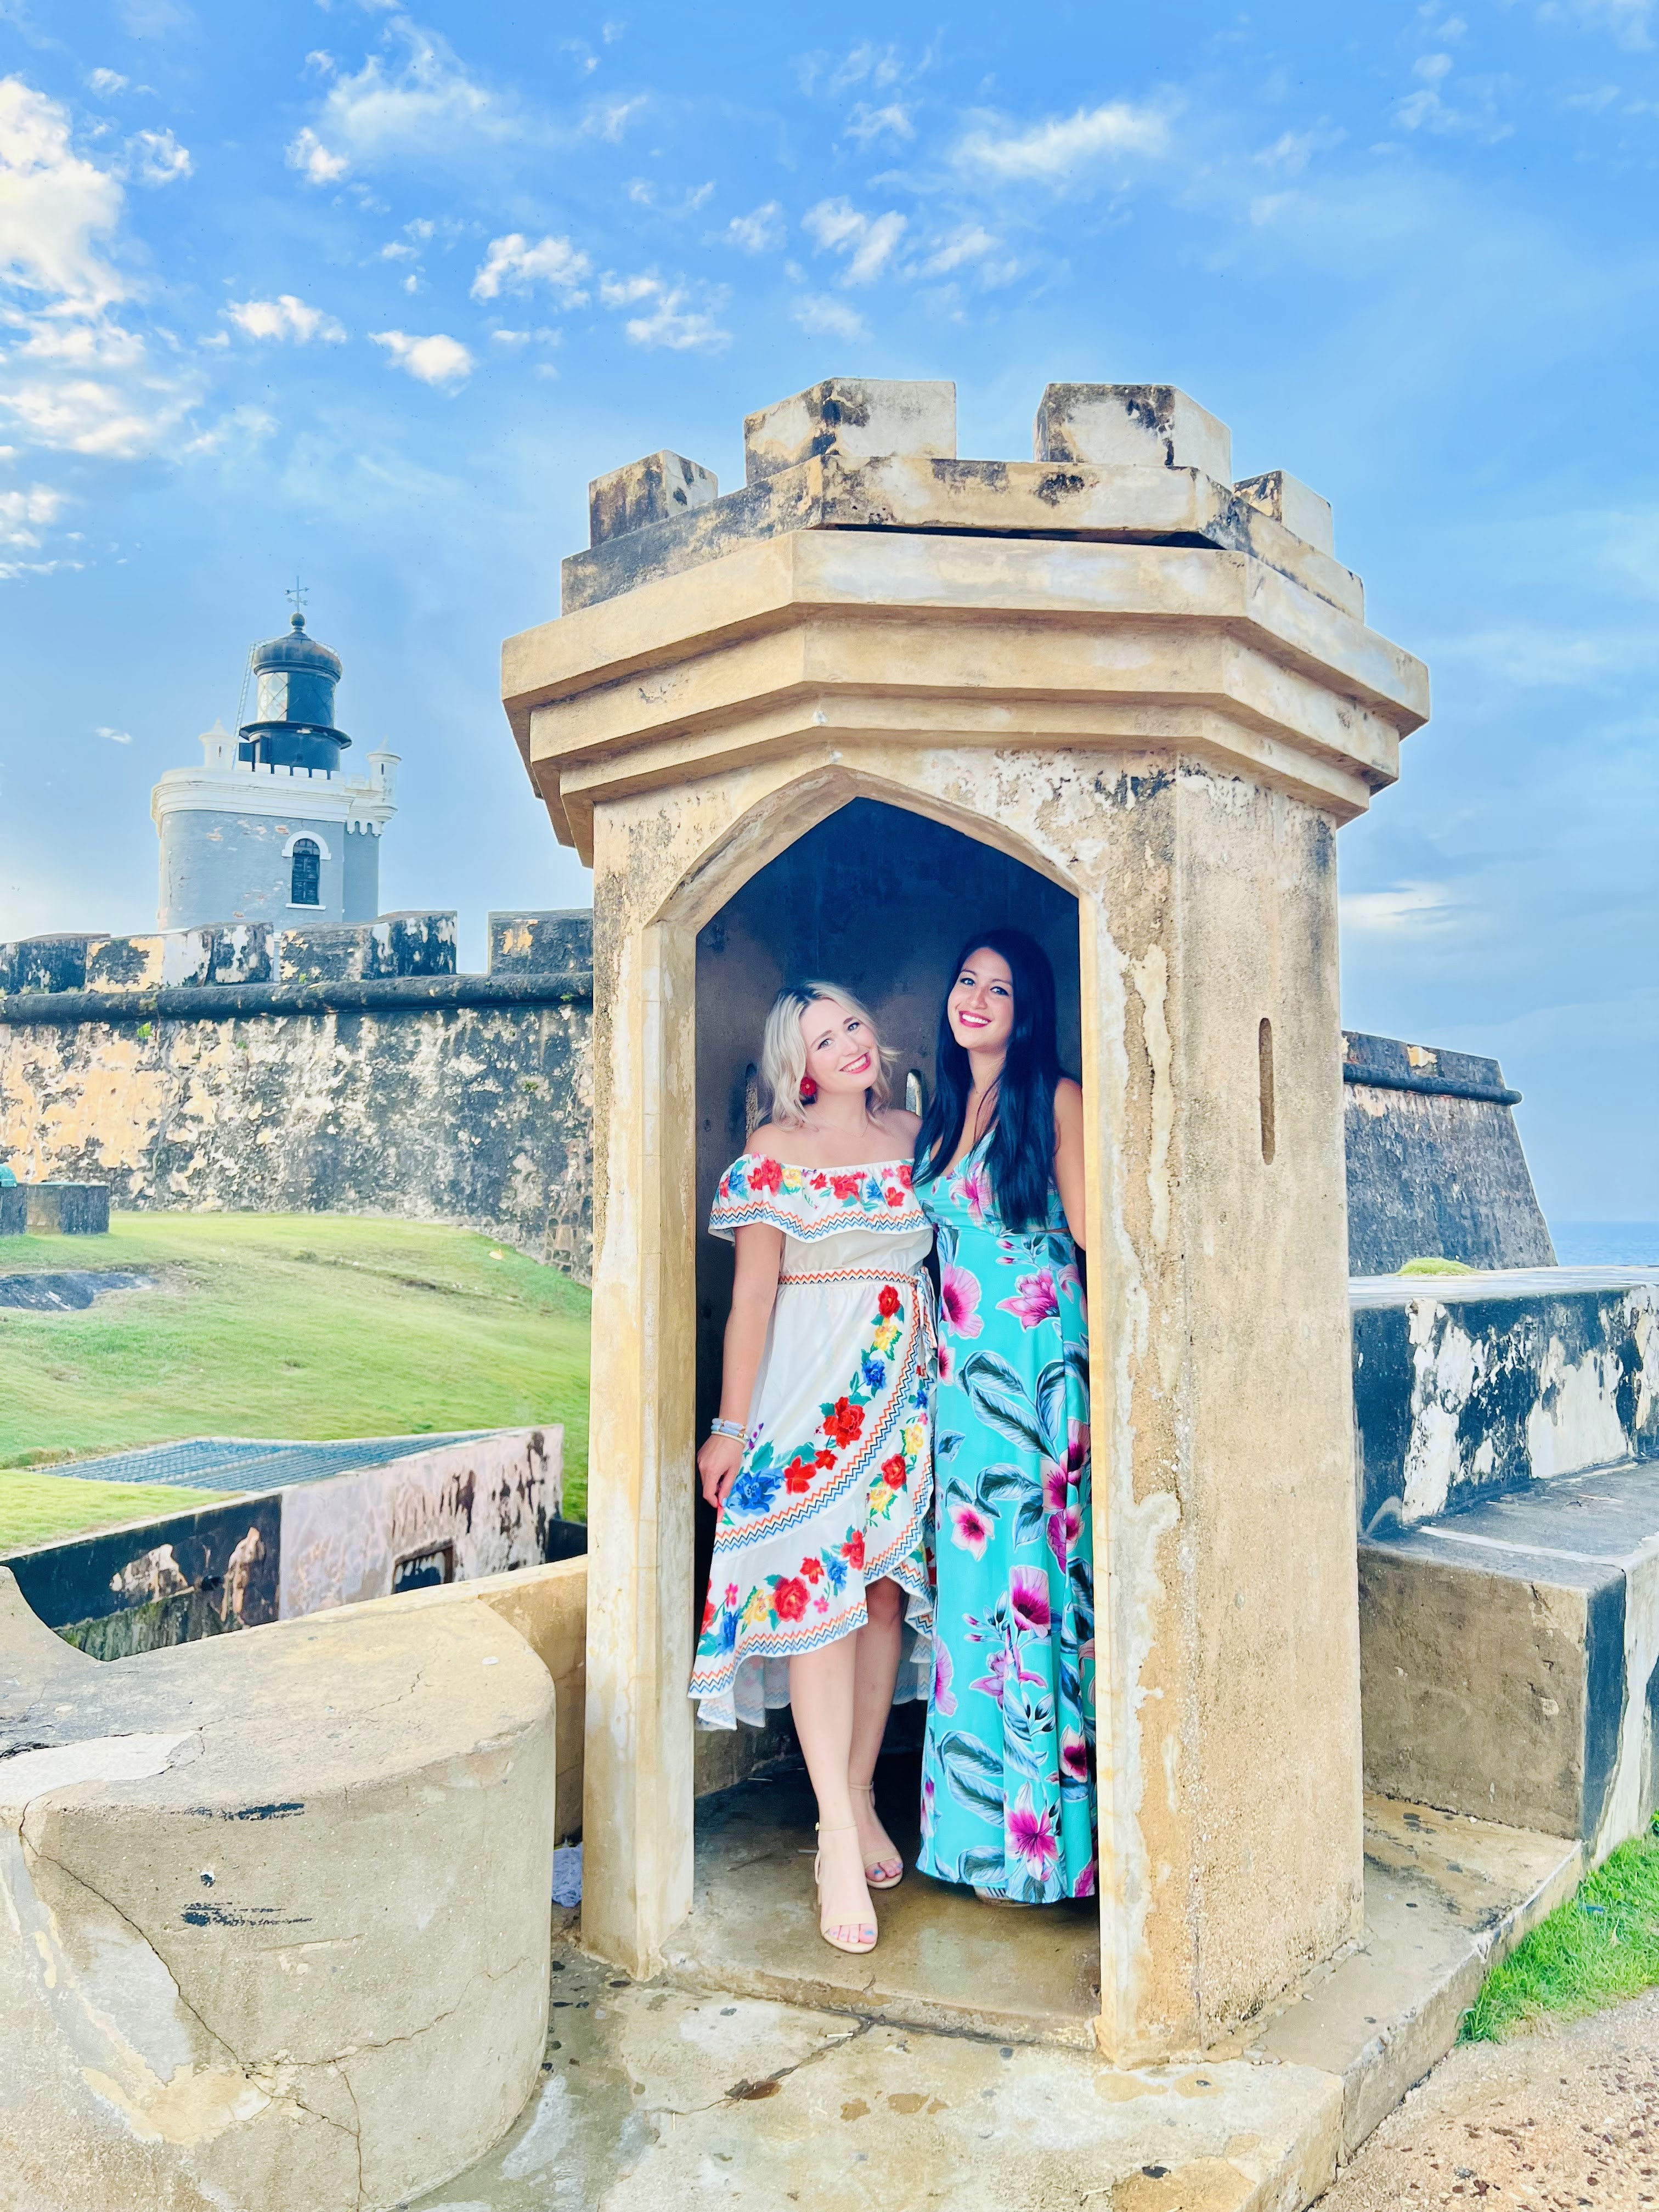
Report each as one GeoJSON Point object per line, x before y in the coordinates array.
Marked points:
{"type": "Point", "coordinates": [754, 1293]}
{"type": "Point", "coordinates": [1068, 1158]}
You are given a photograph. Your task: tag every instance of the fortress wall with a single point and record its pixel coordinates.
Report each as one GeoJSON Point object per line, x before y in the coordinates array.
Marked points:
{"type": "Point", "coordinates": [350, 1069]}
{"type": "Point", "coordinates": [368, 1078]}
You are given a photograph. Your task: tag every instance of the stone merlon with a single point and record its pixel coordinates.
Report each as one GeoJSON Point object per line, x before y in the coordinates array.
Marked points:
{"type": "Point", "coordinates": [1120, 589]}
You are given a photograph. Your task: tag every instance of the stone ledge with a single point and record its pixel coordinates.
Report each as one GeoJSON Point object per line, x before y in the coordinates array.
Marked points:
{"type": "Point", "coordinates": [253, 1958]}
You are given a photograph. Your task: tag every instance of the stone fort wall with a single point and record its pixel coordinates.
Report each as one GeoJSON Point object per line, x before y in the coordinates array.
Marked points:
{"type": "Point", "coordinates": [351, 1069]}
{"type": "Point", "coordinates": [345, 1069]}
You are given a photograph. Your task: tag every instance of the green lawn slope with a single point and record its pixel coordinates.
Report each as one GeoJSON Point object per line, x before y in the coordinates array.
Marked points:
{"type": "Point", "coordinates": [280, 1325]}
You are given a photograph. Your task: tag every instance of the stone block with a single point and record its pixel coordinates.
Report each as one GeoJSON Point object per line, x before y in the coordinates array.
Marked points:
{"type": "Point", "coordinates": [858, 417]}
{"type": "Point", "coordinates": [1289, 501]}
{"type": "Point", "coordinates": [1510, 1657]}
{"type": "Point", "coordinates": [552, 943]}
{"type": "Point", "coordinates": [648, 490]}
{"type": "Point", "coordinates": [395, 944]}
{"type": "Point", "coordinates": [68, 1209]}
{"type": "Point", "coordinates": [1465, 1386]}
{"type": "Point", "coordinates": [1148, 426]}
{"type": "Point", "coordinates": [276, 1935]}
{"type": "Point", "coordinates": [46, 964]}
{"type": "Point", "coordinates": [241, 952]}
{"type": "Point", "coordinates": [124, 964]}
{"type": "Point", "coordinates": [14, 1209]}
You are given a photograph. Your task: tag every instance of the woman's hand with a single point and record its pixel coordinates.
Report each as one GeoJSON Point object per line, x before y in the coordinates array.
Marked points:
{"type": "Point", "coordinates": [718, 1464]}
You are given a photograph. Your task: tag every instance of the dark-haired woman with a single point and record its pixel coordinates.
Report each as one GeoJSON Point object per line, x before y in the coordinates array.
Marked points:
{"type": "Point", "coordinates": [1008, 1773]}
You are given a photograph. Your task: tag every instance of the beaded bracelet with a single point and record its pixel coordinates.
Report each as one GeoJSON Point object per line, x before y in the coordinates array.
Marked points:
{"type": "Point", "coordinates": [733, 1429]}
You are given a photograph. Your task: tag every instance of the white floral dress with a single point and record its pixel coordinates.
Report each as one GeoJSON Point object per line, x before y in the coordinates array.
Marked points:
{"type": "Point", "coordinates": [836, 1482]}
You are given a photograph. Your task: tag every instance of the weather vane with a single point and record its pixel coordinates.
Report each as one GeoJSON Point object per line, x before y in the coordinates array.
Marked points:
{"type": "Point", "coordinates": [299, 594]}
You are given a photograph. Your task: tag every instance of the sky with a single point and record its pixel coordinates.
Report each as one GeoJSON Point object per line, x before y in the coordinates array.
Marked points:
{"type": "Point", "coordinates": [336, 290]}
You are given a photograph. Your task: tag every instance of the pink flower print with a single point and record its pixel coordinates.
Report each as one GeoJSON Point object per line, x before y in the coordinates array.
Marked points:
{"type": "Point", "coordinates": [1085, 1884]}
{"type": "Point", "coordinates": [1063, 1531]}
{"type": "Point", "coordinates": [1032, 1835]}
{"type": "Point", "coordinates": [1028, 1594]}
{"type": "Point", "coordinates": [974, 1189]}
{"type": "Point", "coordinates": [946, 1361]}
{"type": "Point", "coordinates": [1055, 1487]}
{"type": "Point", "coordinates": [927, 1806]}
{"type": "Point", "coordinates": [945, 1701]}
{"type": "Point", "coordinates": [994, 1680]}
{"type": "Point", "coordinates": [1060, 1478]}
{"type": "Point", "coordinates": [1075, 1755]}
{"type": "Point", "coordinates": [970, 1530]}
{"type": "Point", "coordinates": [958, 1299]}
{"type": "Point", "coordinates": [1034, 1299]}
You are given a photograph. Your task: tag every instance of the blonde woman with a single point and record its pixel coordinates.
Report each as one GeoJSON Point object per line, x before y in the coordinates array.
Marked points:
{"type": "Point", "coordinates": [820, 1463]}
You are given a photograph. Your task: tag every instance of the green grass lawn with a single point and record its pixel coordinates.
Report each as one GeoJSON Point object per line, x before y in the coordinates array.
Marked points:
{"type": "Point", "coordinates": [1600, 1946]}
{"type": "Point", "coordinates": [301, 1326]}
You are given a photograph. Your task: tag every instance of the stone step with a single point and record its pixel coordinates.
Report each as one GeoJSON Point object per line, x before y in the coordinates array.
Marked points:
{"type": "Point", "coordinates": [1509, 1654]}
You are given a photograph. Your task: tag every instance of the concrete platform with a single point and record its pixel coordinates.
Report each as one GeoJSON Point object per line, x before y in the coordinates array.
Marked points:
{"type": "Point", "coordinates": [1510, 1656]}
{"type": "Point", "coordinates": [654, 2094]}
{"type": "Point", "coordinates": [944, 1962]}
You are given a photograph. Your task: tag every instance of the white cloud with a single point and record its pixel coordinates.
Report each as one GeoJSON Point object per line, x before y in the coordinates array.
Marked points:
{"type": "Point", "coordinates": [320, 63]}
{"type": "Point", "coordinates": [611, 120]}
{"type": "Point", "coordinates": [108, 81]}
{"type": "Point", "coordinates": [82, 415]}
{"type": "Point", "coordinates": [972, 243]}
{"type": "Point", "coordinates": [1409, 910]}
{"type": "Point", "coordinates": [1054, 151]}
{"type": "Point", "coordinates": [1629, 20]}
{"type": "Point", "coordinates": [53, 204]}
{"type": "Point", "coordinates": [866, 123]}
{"type": "Point", "coordinates": [513, 262]}
{"type": "Point", "coordinates": [438, 360]}
{"type": "Point", "coordinates": [672, 322]}
{"type": "Point", "coordinates": [115, 737]}
{"type": "Point", "coordinates": [867, 242]}
{"type": "Point", "coordinates": [758, 233]}
{"type": "Point", "coordinates": [160, 157]}
{"type": "Point", "coordinates": [284, 317]}
{"type": "Point", "coordinates": [421, 103]}
{"type": "Point", "coordinates": [830, 319]}
{"type": "Point", "coordinates": [308, 153]}
{"type": "Point", "coordinates": [77, 380]}
{"type": "Point", "coordinates": [1425, 109]}
{"type": "Point", "coordinates": [24, 515]}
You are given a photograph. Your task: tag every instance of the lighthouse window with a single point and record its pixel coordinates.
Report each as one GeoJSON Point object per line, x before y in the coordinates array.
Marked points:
{"type": "Point", "coordinates": [307, 871]}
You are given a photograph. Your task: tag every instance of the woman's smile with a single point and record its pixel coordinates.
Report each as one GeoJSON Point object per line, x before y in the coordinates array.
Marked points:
{"type": "Point", "coordinates": [859, 1064]}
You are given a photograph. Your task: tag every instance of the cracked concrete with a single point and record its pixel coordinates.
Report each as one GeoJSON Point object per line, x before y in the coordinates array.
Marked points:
{"type": "Point", "coordinates": [380, 1787]}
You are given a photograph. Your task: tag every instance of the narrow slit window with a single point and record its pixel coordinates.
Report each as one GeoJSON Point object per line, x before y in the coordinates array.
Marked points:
{"type": "Point", "coordinates": [751, 1105]}
{"type": "Point", "coordinates": [1264, 1053]}
{"type": "Point", "coordinates": [307, 889]}
{"type": "Point", "coordinates": [914, 1095]}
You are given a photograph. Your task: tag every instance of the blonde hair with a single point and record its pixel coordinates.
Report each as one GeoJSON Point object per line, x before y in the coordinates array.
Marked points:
{"type": "Point", "coordinates": [783, 1049]}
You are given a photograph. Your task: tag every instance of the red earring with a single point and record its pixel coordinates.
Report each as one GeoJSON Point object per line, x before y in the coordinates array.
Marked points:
{"type": "Point", "coordinates": [809, 1089]}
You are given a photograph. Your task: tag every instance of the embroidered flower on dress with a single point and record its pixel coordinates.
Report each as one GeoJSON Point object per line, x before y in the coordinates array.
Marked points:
{"type": "Point", "coordinates": [894, 1471]}
{"type": "Point", "coordinates": [766, 1175]}
{"type": "Point", "coordinates": [887, 1302]}
{"type": "Point", "coordinates": [874, 1372]}
{"type": "Point", "coordinates": [853, 1550]}
{"type": "Point", "coordinates": [844, 1421]}
{"type": "Point", "coordinates": [789, 1598]}
{"type": "Point", "coordinates": [812, 1568]}
{"type": "Point", "coordinates": [798, 1476]}
{"type": "Point", "coordinates": [958, 1299]}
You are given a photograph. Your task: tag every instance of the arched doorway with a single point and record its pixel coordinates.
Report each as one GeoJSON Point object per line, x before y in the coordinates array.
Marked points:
{"type": "Point", "coordinates": [878, 898]}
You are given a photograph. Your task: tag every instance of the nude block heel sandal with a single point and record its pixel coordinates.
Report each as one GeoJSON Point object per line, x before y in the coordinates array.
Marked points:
{"type": "Point", "coordinates": [877, 1879]}
{"type": "Point", "coordinates": [865, 1927]}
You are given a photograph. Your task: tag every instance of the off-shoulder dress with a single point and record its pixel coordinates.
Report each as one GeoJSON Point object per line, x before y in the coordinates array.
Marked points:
{"type": "Point", "coordinates": [835, 1488]}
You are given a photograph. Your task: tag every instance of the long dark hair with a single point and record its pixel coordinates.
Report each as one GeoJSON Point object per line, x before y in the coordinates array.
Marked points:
{"type": "Point", "coordinates": [1021, 1155]}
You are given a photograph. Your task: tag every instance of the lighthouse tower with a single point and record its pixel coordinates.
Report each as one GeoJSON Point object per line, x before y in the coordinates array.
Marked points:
{"type": "Point", "coordinates": [271, 827]}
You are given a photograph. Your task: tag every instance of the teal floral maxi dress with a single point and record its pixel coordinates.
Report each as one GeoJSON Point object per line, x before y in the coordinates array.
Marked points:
{"type": "Point", "coordinates": [1008, 1770]}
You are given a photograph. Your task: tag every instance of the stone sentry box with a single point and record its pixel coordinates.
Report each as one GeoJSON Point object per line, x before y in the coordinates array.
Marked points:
{"type": "Point", "coordinates": [1145, 699]}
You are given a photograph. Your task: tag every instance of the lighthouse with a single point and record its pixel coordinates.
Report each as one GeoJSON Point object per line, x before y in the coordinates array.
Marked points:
{"type": "Point", "coordinates": [272, 827]}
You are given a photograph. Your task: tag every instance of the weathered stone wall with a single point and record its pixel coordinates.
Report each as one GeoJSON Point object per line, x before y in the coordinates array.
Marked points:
{"type": "Point", "coordinates": [1435, 1166]}
{"type": "Point", "coordinates": [363, 1080]}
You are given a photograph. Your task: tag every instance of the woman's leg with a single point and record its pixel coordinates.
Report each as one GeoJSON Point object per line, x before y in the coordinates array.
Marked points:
{"type": "Point", "coordinates": [879, 1644]}
{"type": "Point", "coordinates": [821, 1693]}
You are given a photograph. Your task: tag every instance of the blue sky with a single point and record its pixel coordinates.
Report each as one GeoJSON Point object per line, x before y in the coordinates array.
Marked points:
{"type": "Point", "coordinates": [370, 295]}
